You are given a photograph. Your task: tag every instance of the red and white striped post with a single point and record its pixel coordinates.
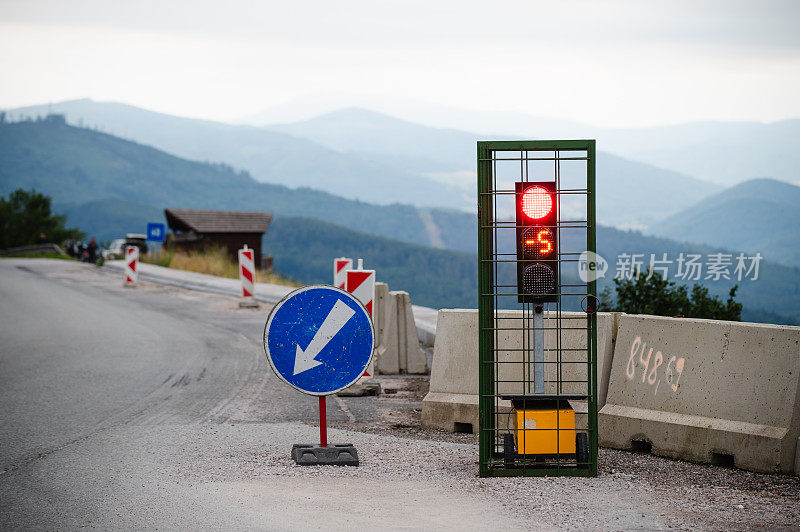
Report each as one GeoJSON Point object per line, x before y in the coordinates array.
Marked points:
{"type": "Point", "coordinates": [247, 274]}
{"type": "Point", "coordinates": [361, 283]}
{"type": "Point", "coordinates": [341, 266]}
{"type": "Point", "coordinates": [131, 266]}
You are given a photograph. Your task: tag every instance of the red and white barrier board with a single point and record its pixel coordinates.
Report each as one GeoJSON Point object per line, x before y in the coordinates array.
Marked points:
{"type": "Point", "coordinates": [341, 266]}
{"type": "Point", "coordinates": [361, 283]}
{"type": "Point", "coordinates": [247, 271]}
{"type": "Point", "coordinates": [131, 265]}
{"type": "Point", "coordinates": [247, 275]}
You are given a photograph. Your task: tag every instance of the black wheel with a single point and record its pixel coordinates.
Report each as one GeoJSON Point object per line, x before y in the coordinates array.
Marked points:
{"type": "Point", "coordinates": [582, 450]}
{"type": "Point", "coordinates": [509, 451]}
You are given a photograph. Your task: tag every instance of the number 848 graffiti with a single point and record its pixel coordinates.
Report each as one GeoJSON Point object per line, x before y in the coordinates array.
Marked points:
{"type": "Point", "coordinates": [672, 372]}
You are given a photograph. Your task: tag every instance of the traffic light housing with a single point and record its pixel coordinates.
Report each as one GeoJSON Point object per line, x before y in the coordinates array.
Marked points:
{"type": "Point", "coordinates": [537, 242]}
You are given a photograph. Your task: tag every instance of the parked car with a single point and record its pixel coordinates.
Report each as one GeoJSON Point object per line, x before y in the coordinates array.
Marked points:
{"type": "Point", "coordinates": [138, 240]}
{"type": "Point", "coordinates": [116, 250]}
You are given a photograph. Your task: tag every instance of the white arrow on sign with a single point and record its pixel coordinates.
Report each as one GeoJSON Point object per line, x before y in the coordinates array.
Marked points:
{"type": "Point", "coordinates": [336, 319]}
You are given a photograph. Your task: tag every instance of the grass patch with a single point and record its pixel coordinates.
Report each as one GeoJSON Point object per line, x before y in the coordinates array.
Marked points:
{"type": "Point", "coordinates": [162, 257]}
{"type": "Point", "coordinates": [212, 261]}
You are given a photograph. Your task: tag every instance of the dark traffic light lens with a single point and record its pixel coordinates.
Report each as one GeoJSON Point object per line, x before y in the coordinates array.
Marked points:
{"type": "Point", "coordinates": [539, 279]}
{"type": "Point", "coordinates": [536, 203]}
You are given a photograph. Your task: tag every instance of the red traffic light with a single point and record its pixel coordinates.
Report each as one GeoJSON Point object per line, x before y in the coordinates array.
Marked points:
{"type": "Point", "coordinates": [537, 242]}
{"type": "Point", "coordinates": [537, 202]}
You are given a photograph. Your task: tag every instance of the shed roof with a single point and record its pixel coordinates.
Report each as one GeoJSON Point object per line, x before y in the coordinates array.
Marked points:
{"type": "Point", "coordinates": [204, 221]}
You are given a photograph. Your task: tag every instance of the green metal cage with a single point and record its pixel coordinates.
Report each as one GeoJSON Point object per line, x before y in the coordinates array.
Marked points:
{"type": "Point", "coordinates": [537, 361]}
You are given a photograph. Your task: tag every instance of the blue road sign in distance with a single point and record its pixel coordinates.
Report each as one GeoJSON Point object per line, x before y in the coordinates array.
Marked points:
{"type": "Point", "coordinates": [155, 232]}
{"type": "Point", "coordinates": [319, 339]}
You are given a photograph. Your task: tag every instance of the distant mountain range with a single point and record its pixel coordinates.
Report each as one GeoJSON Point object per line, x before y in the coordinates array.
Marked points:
{"type": "Point", "coordinates": [78, 166]}
{"type": "Point", "coordinates": [629, 193]}
{"type": "Point", "coordinates": [109, 186]}
{"type": "Point", "coordinates": [364, 155]}
{"type": "Point", "coordinates": [720, 152]}
{"type": "Point", "coordinates": [268, 156]}
{"type": "Point", "coordinates": [760, 215]}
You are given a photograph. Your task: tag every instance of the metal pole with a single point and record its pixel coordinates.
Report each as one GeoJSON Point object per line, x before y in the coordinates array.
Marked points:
{"type": "Point", "coordinates": [538, 350]}
{"type": "Point", "coordinates": [323, 422]}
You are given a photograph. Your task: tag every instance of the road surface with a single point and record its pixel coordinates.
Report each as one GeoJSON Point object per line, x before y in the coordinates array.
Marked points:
{"type": "Point", "coordinates": [154, 407]}
{"type": "Point", "coordinates": [110, 392]}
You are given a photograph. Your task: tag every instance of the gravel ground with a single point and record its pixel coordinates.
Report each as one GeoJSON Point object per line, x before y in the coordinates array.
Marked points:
{"type": "Point", "coordinates": [632, 491]}
{"type": "Point", "coordinates": [708, 497]}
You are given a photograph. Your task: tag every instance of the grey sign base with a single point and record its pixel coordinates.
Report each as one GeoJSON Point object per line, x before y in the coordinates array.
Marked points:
{"type": "Point", "coordinates": [341, 455]}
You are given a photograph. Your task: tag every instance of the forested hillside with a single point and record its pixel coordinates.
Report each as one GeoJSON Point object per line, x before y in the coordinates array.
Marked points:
{"type": "Point", "coordinates": [760, 215]}
{"type": "Point", "coordinates": [76, 166]}
{"type": "Point", "coordinates": [357, 153]}
{"type": "Point", "coordinates": [269, 156]}
{"type": "Point", "coordinates": [304, 249]}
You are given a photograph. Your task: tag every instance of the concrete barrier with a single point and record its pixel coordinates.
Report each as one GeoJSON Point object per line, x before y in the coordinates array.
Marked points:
{"type": "Point", "coordinates": [425, 320]}
{"type": "Point", "coordinates": [704, 390]}
{"type": "Point", "coordinates": [397, 340]}
{"type": "Point", "coordinates": [452, 402]}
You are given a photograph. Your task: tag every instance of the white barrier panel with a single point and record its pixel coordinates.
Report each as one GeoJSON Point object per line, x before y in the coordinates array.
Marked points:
{"type": "Point", "coordinates": [131, 266]}
{"type": "Point", "coordinates": [397, 343]}
{"type": "Point", "coordinates": [341, 266]}
{"type": "Point", "coordinates": [382, 318]}
{"type": "Point", "coordinates": [452, 402]}
{"type": "Point", "coordinates": [412, 359]}
{"type": "Point", "coordinates": [705, 390]}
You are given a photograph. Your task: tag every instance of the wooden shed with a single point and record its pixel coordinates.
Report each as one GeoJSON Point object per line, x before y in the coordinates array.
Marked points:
{"type": "Point", "coordinates": [195, 229]}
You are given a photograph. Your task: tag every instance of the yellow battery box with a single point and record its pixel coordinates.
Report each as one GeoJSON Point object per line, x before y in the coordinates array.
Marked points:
{"type": "Point", "coordinates": [545, 431]}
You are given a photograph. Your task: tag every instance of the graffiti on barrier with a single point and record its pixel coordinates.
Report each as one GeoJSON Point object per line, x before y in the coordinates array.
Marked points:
{"type": "Point", "coordinates": [643, 358]}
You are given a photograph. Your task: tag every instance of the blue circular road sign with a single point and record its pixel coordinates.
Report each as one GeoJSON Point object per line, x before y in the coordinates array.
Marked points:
{"type": "Point", "coordinates": [319, 339]}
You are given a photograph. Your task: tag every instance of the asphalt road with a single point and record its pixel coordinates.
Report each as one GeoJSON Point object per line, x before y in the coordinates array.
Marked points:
{"type": "Point", "coordinates": [154, 407]}
{"type": "Point", "coordinates": [83, 359]}
{"type": "Point", "coordinates": [80, 353]}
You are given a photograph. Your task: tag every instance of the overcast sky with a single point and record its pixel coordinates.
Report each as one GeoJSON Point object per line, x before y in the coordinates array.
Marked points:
{"type": "Point", "coordinates": [607, 63]}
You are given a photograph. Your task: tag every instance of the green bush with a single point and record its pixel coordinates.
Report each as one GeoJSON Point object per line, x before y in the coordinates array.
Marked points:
{"type": "Point", "coordinates": [26, 215]}
{"type": "Point", "coordinates": [652, 294]}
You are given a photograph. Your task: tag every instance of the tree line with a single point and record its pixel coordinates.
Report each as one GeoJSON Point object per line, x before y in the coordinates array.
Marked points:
{"type": "Point", "coordinates": [26, 217]}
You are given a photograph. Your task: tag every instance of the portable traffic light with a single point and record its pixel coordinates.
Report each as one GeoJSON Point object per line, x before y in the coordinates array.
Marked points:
{"type": "Point", "coordinates": [527, 389]}
{"type": "Point", "coordinates": [537, 242]}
